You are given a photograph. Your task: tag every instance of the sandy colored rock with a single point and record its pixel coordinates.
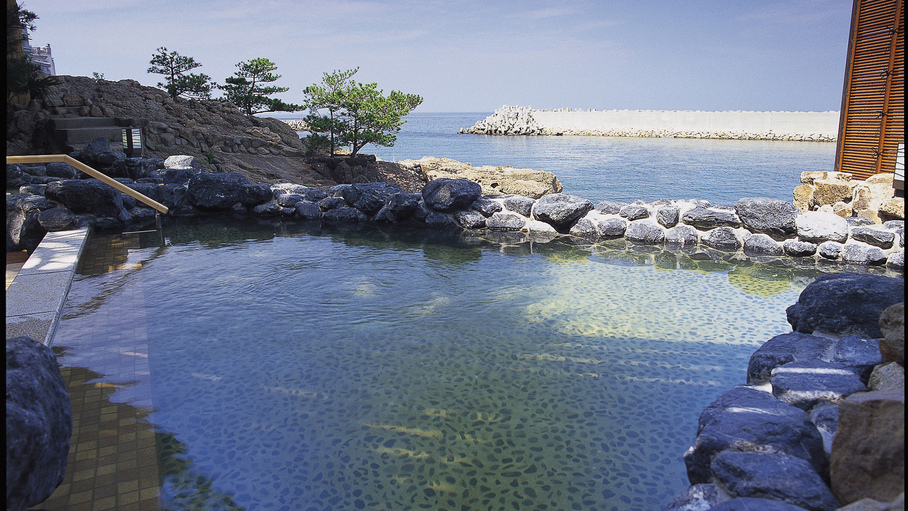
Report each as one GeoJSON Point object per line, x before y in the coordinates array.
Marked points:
{"type": "Point", "coordinates": [892, 324]}
{"type": "Point", "coordinates": [803, 197]}
{"type": "Point", "coordinates": [892, 209]}
{"type": "Point", "coordinates": [830, 191]}
{"type": "Point", "coordinates": [493, 180]}
{"type": "Point", "coordinates": [868, 451]}
{"type": "Point", "coordinates": [842, 209]}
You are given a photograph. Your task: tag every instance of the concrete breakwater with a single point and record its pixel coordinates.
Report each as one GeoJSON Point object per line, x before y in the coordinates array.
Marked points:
{"type": "Point", "coordinates": [738, 125]}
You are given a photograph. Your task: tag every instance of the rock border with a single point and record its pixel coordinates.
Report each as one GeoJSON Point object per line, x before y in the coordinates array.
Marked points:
{"type": "Point", "coordinates": [761, 229]}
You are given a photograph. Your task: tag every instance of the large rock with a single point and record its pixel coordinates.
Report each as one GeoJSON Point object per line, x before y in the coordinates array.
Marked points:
{"type": "Point", "coordinates": [892, 326]}
{"type": "Point", "coordinates": [783, 349]}
{"type": "Point", "coordinates": [399, 207]}
{"type": "Point", "coordinates": [449, 195]}
{"type": "Point", "coordinates": [210, 190]}
{"type": "Point", "coordinates": [560, 210]}
{"type": "Point", "coordinates": [845, 303]}
{"type": "Point", "coordinates": [773, 217]}
{"type": "Point", "coordinates": [88, 196]}
{"type": "Point", "coordinates": [493, 180]}
{"type": "Point", "coordinates": [750, 420]}
{"type": "Point", "coordinates": [705, 219]}
{"type": "Point", "coordinates": [682, 236]}
{"type": "Point", "coordinates": [774, 476]}
{"type": "Point", "coordinates": [868, 451]}
{"type": "Point", "coordinates": [721, 238]}
{"type": "Point", "coordinates": [807, 384]}
{"type": "Point", "coordinates": [762, 245]}
{"type": "Point", "coordinates": [371, 197]}
{"type": "Point", "coordinates": [645, 231]}
{"type": "Point", "coordinates": [873, 236]}
{"type": "Point", "coordinates": [38, 423]}
{"type": "Point", "coordinates": [23, 227]}
{"type": "Point", "coordinates": [816, 226]}
{"type": "Point", "coordinates": [503, 221]}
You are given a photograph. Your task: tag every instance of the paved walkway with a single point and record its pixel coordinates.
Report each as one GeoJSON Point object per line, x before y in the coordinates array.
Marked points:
{"type": "Point", "coordinates": [35, 297]}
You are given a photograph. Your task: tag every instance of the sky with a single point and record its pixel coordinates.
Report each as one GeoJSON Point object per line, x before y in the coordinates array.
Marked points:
{"type": "Point", "coordinates": [477, 55]}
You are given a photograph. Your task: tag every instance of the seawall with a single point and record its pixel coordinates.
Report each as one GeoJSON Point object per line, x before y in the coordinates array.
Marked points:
{"type": "Point", "coordinates": [798, 126]}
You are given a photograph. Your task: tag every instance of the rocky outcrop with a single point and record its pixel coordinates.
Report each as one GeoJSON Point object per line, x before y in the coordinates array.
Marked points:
{"type": "Point", "coordinates": [819, 425]}
{"type": "Point", "coordinates": [493, 180]}
{"type": "Point", "coordinates": [38, 423]}
{"type": "Point", "coordinates": [872, 200]}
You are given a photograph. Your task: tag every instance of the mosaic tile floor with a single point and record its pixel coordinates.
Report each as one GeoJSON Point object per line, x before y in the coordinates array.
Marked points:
{"type": "Point", "coordinates": [113, 459]}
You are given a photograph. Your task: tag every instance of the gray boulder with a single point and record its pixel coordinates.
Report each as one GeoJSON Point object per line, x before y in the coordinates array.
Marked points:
{"type": "Point", "coordinates": [315, 194]}
{"type": "Point", "coordinates": [668, 216]}
{"type": "Point", "coordinates": [751, 420]}
{"type": "Point", "coordinates": [797, 248]}
{"type": "Point", "coordinates": [753, 504]}
{"type": "Point", "coordinates": [38, 423]}
{"type": "Point", "coordinates": [896, 260]}
{"type": "Point", "coordinates": [773, 217]}
{"type": "Point", "coordinates": [343, 215]}
{"type": "Point", "coordinates": [773, 476]}
{"type": "Point", "coordinates": [23, 229]}
{"type": "Point", "coordinates": [210, 190]}
{"type": "Point", "coordinates": [585, 228]}
{"type": "Point", "coordinates": [252, 195]}
{"type": "Point", "coordinates": [696, 497]}
{"type": "Point", "coordinates": [469, 219]}
{"type": "Point", "coordinates": [634, 212]}
{"type": "Point", "coordinates": [830, 249]}
{"type": "Point", "coordinates": [858, 354]}
{"type": "Point", "coordinates": [399, 207]}
{"type": "Point", "coordinates": [845, 303]}
{"type": "Point", "coordinates": [817, 226]}
{"type": "Point", "coordinates": [371, 197]}
{"type": "Point", "coordinates": [560, 210]}
{"type": "Point", "coordinates": [762, 245]}
{"type": "Point", "coordinates": [448, 195]}
{"type": "Point", "coordinates": [486, 207]}
{"type": "Point", "coordinates": [705, 219]}
{"type": "Point", "coordinates": [88, 196]}
{"type": "Point", "coordinates": [288, 200]}
{"type": "Point", "coordinates": [721, 238]}
{"type": "Point", "coordinates": [682, 236]}
{"type": "Point", "coordinates": [809, 383]}
{"type": "Point", "coordinates": [521, 205]}
{"type": "Point", "coordinates": [179, 161]}
{"type": "Point", "coordinates": [612, 227]}
{"type": "Point", "coordinates": [503, 221]}
{"type": "Point", "coordinates": [783, 349]}
{"type": "Point", "coordinates": [862, 253]}
{"type": "Point", "coordinates": [609, 207]}
{"type": "Point", "coordinates": [308, 210]}
{"type": "Point", "coordinates": [645, 231]}
{"type": "Point", "coordinates": [873, 236]}
{"type": "Point", "coordinates": [56, 219]}
{"type": "Point", "coordinates": [61, 170]}
{"type": "Point", "coordinates": [439, 220]}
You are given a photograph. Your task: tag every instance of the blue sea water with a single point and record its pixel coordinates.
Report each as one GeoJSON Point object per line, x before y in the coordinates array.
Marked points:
{"type": "Point", "coordinates": [621, 169]}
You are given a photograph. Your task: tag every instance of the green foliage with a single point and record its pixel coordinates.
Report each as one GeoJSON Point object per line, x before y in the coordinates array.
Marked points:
{"type": "Point", "coordinates": [357, 113]}
{"type": "Point", "coordinates": [245, 90]}
{"type": "Point", "coordinates": [173, 66]}
{"type": "Point", "coordinates": [25, 77]}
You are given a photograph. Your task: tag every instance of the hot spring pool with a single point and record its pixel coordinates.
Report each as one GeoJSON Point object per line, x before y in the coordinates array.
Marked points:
{"type": "Point", "coordinates": [300, 367]}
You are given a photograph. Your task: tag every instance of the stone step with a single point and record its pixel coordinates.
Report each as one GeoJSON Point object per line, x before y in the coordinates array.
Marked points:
{"type": "Point", "coordinates": [63, 123]}
{"type": "Point", "coordinates": [76, 136]}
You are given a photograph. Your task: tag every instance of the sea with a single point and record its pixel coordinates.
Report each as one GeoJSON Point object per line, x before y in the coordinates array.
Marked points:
{"type": "Point", "coordinates": [620, 169]}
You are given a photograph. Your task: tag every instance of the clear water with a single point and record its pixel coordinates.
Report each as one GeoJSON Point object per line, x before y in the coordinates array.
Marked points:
{"type": "Point", "coordinates": [622, 169]}
{"type": "Point", "coordinates": [300, 367]}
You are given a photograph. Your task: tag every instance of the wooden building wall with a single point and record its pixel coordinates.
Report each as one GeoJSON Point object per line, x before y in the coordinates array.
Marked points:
{"type": "Point", "coordinates": [872, 120]}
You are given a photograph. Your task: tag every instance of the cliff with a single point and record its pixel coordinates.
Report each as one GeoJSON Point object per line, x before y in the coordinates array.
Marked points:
{"type": "Point", "coordinates": [741, 125]}
{"type": "Point", "coordinates": [219, 135]}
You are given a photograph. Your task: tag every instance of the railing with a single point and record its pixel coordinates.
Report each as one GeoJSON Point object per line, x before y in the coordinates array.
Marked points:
{"type": "Point", "coordinates": [69, 160]}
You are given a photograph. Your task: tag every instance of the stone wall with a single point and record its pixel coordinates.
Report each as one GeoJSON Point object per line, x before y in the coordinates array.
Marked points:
{"type": "Point", "coordinates": [757, 228]}
{"type": "Point", "coordinates": [792, 126]}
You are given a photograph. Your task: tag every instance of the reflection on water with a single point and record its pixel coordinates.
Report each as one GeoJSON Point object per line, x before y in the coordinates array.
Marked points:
{"type": "Point", "coordinates": [298, 366]}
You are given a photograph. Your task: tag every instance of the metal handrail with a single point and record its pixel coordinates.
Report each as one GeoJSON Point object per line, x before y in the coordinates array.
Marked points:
{"type": "Point", "coordinates": [69, 160]}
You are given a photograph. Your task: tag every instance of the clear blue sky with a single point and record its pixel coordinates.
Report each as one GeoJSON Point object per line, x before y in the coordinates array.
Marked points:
{"type": "Point", "coordinates": [475, 56]}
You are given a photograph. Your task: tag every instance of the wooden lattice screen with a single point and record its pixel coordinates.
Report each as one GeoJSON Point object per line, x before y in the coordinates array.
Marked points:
{"type": "Point", "coordinates": [873, 101]}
